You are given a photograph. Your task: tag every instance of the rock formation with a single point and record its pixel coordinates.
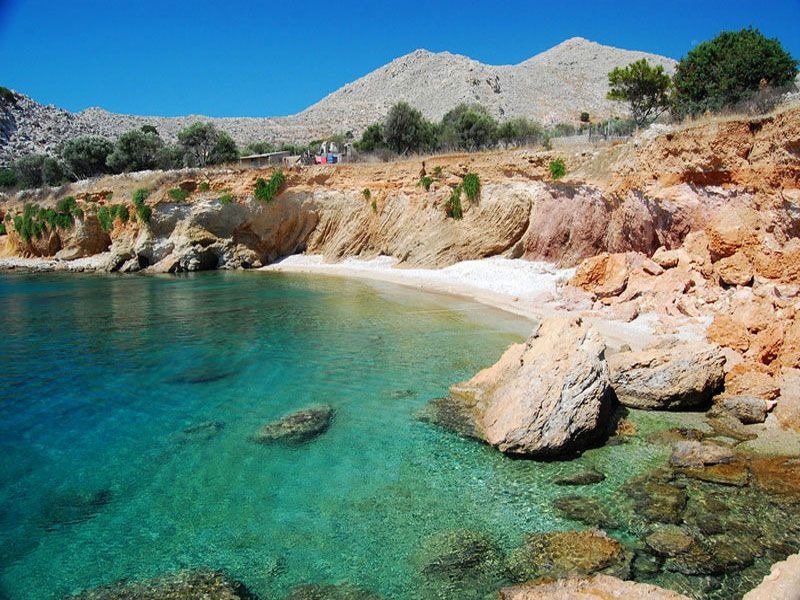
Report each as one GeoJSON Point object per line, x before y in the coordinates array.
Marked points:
{"type": "Point", "coordinates": [298, 427]}
{"type": "Point", "coordinates": [597, 587]}
{"type": "Point", "coordinates": [546, 397]}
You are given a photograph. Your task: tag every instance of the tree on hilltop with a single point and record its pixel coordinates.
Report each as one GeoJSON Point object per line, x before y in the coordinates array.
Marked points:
{"type": "Point", "coordinates": [136, 150]}
{"type": "Point", "coordinates": [644, 87]}
{"type": "Point", "coordinates": [204, 144]}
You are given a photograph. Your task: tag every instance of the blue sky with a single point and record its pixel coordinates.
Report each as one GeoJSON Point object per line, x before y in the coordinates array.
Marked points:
{"type": "Point", "coordinates": [264, 58]}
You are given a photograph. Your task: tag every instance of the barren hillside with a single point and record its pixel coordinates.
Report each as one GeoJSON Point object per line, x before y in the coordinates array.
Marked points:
{"type": "Point", "coordinates": [556, 85]}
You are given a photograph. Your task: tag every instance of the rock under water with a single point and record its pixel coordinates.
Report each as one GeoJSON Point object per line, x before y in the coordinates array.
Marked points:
{"type": "Point", "coordinates": [297, 427]}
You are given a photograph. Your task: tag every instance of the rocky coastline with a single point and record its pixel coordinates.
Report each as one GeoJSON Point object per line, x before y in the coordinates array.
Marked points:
{"type": "Point", "coordinates": [690, 236]}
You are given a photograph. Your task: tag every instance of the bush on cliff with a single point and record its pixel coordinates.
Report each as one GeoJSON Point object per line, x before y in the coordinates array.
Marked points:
{"type": "Point", "coordinates": [267, 190]}
{"type": "Point", "coordinates": [86, 156]}
{"type": "Point", "coordinates": [178, 194]}
{"type": "Point", "coordinates": [472, 186]}
{"type": "Point", "coordinates": [557, 169]}
{"type": "Point", "coordinates": [730, 68]}
{"type": "Point", "coordinates": [453, 206]}
{"type": "Point", "coordinates": [143, 212]}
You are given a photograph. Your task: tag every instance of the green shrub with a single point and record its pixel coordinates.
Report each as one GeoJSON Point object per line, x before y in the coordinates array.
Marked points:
{"type": "Point", "coordinates": [143, 212]}
{"type": "Point", "coordinates": [585, 117]}
{"type": "Point", "coordinates": [203, 186]}
{"type": "Point", "coordinates": [406, 130]}
{"type": "Point", "coordinates": [730, 68]}
{"type": "Point", "coordinates": [226, 198]}
{"type": "Point", "coordinates": [35, 220]}
{"type": "Point", "coordinates": [266, 191]}
{"type": "Point", "coordinates": [645, 88]}
{"type": "Point", "coordinates": [86, 156]}
{"type": "Point", "coordinates": [453, 206]}
{"type": "Point", "coordinates": [371, 139]}
{"type": "Point", "coordinates": [374, 206]}
{"type": "Point", "coordinates": [437, 171]}
{"type": "Point", "coordinates": [472, 186]}
{"type": "Point", "coordinates": [119, 211]}
{"type": "Point", "coordinates": [2, 228]}
{"type": "Point", "coordinates": [178, 194]}
{"type": "Point", "coordinates": [7, 178]}
{"type": "Point", "coordinates": [136, 150]}
{"type": "Point", "coordinates": [425, 181]}
{"type": "Point", "coordinates": [366, 193]}
{"type": "Point", "coordinates": [203, 144]}
{"type": "Point", "coordinates": [104, 217]}
{"type": "Point", "coordinates": [467, 127]}
{"type": "Point", "coordinates": [557, 169]}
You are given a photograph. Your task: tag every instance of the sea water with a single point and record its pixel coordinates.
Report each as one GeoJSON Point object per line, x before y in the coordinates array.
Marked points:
{"type": "Point", "coordinates": [128, 406]}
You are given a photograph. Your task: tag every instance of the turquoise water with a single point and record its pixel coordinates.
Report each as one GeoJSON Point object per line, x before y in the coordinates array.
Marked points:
{"type": "Point", "coordinates": [103, 476]}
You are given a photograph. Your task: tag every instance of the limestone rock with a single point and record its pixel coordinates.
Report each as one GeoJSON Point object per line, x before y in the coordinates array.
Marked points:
{"type": "Point", "coordinates": [728, 332]}
{"type": "Point", "coordinates": [787, 409]}
{"type": "Point", "coordinates": [603, 275]}
{"type": "Point", "coordinates": [675, 377]}
{"type": "Point", "coordinates": [782, 582]}
{"type": "Point", "coordinates": [735, 270]}
{"type": "Point", "coordinates": [598, 587]}
{"type": "Point", "coordinates": [586, 510]}
{"type": "Point", "coordinates": [669, 540]}
{"type": "Point", "coordinates": [297, 427]}
{"type": "Point", "coordinates": [586, 477]}
{"type": "Point", "coordinates": [457, 554]}
{"type": "Point", "coordinates": [751, 380]}
{"type": "Point", "coordinates": [544, 398]}
{"type": "Point", "coordinates": [747, 409]}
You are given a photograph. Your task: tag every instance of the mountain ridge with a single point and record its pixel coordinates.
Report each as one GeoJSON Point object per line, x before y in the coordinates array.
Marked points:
{"type": "Point", "coordinates": [550, 87]}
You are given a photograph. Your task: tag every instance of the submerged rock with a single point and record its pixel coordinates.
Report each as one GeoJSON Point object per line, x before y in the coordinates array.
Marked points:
{"type": "Point", "coordinates": [598, 587]}
{"type": "Point", "coordinates": [320, 591]}
{"type": "Point", "coordinates": [297, 427]}
{"type": "Point", "coordinates": [183, 585]}
{"type": "Point", "coordinates": [547, 397]}
{"type": "Point", "coordinates": [73, 507]}
{"type": "Point", "coordinates": [587, 477]}
{"type": "Point", "coordinates": [669, 540]}
{"type": "Point", "coordinates": [459, 554]}
{"type": "Point", "coordinates": [657, 502]}
{"type": "Point", "coordinates": [569, 553]}
{"type": "Point", "coordinates": [588, 511]}
{"type": "Point", "coordinates": [674, 377]}
{"type": "Point", "coordinates": [203, 431]}
{"type": "Point", "coordinates": [699, 454]}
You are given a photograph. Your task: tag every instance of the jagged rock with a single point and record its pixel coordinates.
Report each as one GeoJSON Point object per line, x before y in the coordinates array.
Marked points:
{"type": "Point", "coordinates": [569, 553]}
{"type": "Point", "coordinates": [666, 259]}
{"type": "Point", "coordinates": [586, 477]}
{"type": "Point", "coordinates": [544, 398]}
{"type": "Point", "coordinates": [656, 501]}
{"type": "Point", "coordinates": [714, 556]}
{"type": "Point", "coordinates": [676, 377]}
{"type": "Point", "coordinates": [728, 332]}
{"type": "Point", "coordinates": [726, 425]}
{"type": "Point", "coordinates": [787, 409]}
{"type": "Point", "coordinates": [598, 587]}
{"type": "Point", "coordinates": [734, 473]}
{"type": "Point", "coordinates": [297, 427]}
{"type": "Point", "coordinates": [183, 585]}
{"type": "Point", "coordinates": [699, 454]}
{"type": "Point", "coordinates": [751, 380]}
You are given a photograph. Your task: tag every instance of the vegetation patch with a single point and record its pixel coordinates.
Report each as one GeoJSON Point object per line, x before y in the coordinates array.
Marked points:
{"type": "Point", "coordinates": [472, 186]}
{"type": "Point", "coordinates": [267, 190]}
{"type": "Point", "coordinates": [557, 169]}
{"type": "Point", "coordinates": [8, 178]}
{"type": "Point", "coordinates": [425, 181]}
{"type": "Point", "coordinates": [203, 186]}
{"type": "Point", "coordinates": [107, 216]}
{"type": "Point", "coordinates": [453, 206]}
{"type": "Point", "coordinates": [143, 212]}
{"type": "Point", "coordinates": [366, 193]}
{"type": "Point", "coordinates": [226, 198]}
{"type": "Point", "coordinates": [35, 220]}
{"type": "Point", "coordinates": [178, 194]}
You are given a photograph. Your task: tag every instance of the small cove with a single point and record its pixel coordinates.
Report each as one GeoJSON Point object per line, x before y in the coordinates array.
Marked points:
{"type": "Point", "coordinates": [128, 405]}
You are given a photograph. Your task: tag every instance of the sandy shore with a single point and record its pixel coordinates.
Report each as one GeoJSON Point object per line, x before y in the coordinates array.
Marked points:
{"type": "Point", "coordinates": [526, 288]}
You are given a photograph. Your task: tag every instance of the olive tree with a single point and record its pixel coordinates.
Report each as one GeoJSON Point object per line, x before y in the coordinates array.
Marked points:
{"type": "Point", "coordinates": [645, 88]}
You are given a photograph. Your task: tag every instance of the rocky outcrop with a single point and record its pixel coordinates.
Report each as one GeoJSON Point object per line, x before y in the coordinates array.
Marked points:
{"type": "Point", "coordinates": [298, 427]}
{"type": "Point", "coordinates": [598, 587]}
{"type": "Point", "coordinates": [676, 376]}
{"type": "Point", "coordinates": [542, 398]}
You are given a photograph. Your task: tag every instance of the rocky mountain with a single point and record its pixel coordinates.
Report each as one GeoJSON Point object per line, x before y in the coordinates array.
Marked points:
{"type": "Point", "coordinates": [554, 86]}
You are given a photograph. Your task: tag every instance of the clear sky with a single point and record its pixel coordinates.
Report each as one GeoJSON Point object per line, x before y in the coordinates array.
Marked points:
{"type": "Point", "coordinates": [276, 57]}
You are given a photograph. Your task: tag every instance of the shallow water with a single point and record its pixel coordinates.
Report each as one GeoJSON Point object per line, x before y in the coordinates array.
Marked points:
{"type": "Point", "coordinates": [128, 403]}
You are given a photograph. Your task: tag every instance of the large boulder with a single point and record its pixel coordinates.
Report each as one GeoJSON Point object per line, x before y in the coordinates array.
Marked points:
{"type": "Point", "coordinates": [599, 587]}
{"type": "Point", "coordinates": [603, 275]}
{"type": "Point", "coordinates": [546, 397]}
{"type": "Point", "coordinates": [676, 376]}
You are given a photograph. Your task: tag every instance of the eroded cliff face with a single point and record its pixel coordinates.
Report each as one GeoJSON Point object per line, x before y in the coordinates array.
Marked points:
{"type": "Point", "coordinates": [735, 179]}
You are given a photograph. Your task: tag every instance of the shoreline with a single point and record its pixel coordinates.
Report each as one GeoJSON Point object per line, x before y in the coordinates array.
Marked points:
{"type": "Point", "coordinates": [529, 289]}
